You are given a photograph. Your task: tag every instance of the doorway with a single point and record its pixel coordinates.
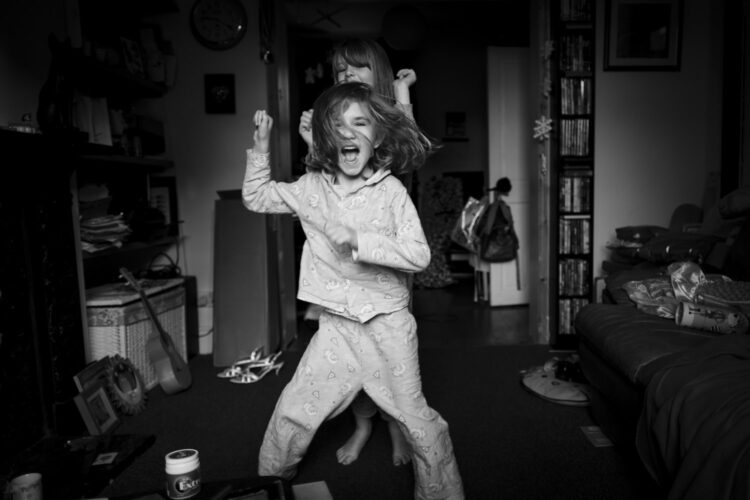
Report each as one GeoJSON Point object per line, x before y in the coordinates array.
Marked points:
{"type": "Point", "coordinates": [450, 62]}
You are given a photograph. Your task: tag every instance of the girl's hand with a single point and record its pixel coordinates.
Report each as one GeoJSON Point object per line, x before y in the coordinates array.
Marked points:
{"type": "Point", "coordinates": [305, 127]}
{"type": "Point", "coordinates": [341, 235]}
{"type": "Point", "coordinates": [262, 134]}
{"type": "Point", "coordinates": [405, 77]}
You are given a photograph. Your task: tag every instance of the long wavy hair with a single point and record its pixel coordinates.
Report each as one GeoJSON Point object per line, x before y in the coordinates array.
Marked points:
{"type": "Point", "coordinates": [364, 52]}
{"type": "Point", "coordinates": [399, 143]}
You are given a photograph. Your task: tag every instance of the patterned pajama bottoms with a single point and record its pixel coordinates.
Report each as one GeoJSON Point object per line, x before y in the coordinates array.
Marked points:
{"type": "Point", "coordinates": [379, 357]}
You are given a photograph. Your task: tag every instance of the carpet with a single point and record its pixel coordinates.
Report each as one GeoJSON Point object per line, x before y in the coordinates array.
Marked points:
{"type": "Point", "coordinates": [508, 442]}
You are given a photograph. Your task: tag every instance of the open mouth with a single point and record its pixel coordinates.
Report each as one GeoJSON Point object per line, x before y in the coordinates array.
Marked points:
{"type": "Point", "coordinates": [350, 153]}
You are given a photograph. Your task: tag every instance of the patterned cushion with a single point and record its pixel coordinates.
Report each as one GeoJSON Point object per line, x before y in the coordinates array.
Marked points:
{"type": "Point", "coordinates": [726, 293]}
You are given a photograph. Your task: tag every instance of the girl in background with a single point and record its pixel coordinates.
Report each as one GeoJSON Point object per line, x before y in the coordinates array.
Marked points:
{"type": "Point", "coordinates": [364, 238]}
{"type": "Point", "coordinates": [364, 60]}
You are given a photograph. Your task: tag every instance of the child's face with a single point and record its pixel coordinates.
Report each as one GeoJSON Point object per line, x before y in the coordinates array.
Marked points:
{"type": "Point", "coordinates": [348, 73]}
{"type": "Point", "coordinates": [356, 143]}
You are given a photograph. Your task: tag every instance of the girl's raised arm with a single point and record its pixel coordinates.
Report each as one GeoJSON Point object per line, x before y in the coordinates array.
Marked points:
{"type": "Point", "coordinates": [405, 78]}
{"type": "Point", "coordinates": [259, 192]}
{"type": "Point", "coordinates": [262, 135]}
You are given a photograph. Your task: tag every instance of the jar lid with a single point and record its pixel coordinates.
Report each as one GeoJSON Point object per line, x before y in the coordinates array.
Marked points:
{"type": "Point", "coordinates": [181, 456]}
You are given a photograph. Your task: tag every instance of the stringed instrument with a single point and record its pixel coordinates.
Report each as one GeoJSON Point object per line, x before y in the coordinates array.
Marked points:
{"type": "Point", "coordinates": [171, 370]}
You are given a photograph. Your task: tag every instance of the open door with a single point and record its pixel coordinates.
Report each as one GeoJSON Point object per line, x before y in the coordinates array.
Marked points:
{"type": "Point", "coordinates": [509, 129]}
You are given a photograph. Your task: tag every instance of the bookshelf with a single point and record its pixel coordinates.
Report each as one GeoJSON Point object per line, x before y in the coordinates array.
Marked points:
{"type": "Point", "coordinates": [572, 162]}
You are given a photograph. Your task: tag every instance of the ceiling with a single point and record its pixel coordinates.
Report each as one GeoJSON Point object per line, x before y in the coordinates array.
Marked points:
{"type": "Point", "coordinates": [493, 22]}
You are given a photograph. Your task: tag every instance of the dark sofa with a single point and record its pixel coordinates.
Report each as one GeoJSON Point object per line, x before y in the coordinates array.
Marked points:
{"type": "Point", "coordinates": [669, 393]}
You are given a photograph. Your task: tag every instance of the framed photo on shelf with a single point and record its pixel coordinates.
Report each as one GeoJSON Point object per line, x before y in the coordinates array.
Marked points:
{"type": "Point", "coordinates": [131, 51]}
{"type": "Point", "coordinates": [93, 375]}
{"type": "Point", "coordinates": [643, 35]}
{"type": "Point", "coordinates": [163, 197]}
{"type": "Point", "coordinates": [96, 409]}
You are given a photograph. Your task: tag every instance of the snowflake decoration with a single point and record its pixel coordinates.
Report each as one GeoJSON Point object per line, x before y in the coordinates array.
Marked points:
{"type": "Point", "coordinates": [542, 128]}
{"type": "Point", "coordinates": [547, 49]}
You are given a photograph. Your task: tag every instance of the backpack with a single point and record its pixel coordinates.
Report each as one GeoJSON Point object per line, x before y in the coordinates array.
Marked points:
{"type": "Point", "coordinates": [468, 227]}
{"type": "Point", "coordinates": [498, 241]}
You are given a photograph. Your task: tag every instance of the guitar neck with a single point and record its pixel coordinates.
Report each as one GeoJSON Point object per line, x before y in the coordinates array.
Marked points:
{"type": "Point", "coordinates": [147, 303]}
{"type": "Point", "coordinates": [171, 368]}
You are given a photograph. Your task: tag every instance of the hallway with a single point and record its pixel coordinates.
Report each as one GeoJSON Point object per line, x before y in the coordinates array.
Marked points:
{"type": "Point", "coordinates": [448, 317]}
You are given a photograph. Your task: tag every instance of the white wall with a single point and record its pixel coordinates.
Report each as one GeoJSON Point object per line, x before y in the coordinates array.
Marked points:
{"type": "Point", "coordinates": [657, 134]}
{"type": "Point", "coordinates": [208, 149]}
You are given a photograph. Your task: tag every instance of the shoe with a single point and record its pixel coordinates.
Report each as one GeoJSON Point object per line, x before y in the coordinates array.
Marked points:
{"type": "Point", "coordinates": [239, 368]}
{"type": "Point", "coordinates": [241, 364]}
{"type": "Point", "coordinates": [262, 362]}
{"type": "Point", "coordinates": [250, 377]}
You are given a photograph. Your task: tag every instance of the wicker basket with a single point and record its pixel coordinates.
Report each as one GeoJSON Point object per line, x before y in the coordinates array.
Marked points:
{"type": "Point", "coordinates": [118, 322]}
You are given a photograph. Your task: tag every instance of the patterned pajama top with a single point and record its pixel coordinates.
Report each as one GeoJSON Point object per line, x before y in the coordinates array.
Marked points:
{"type": "Point", "coordinates": [357, 284]}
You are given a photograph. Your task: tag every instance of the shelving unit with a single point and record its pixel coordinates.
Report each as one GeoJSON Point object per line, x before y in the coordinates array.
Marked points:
{"type": "Point", "coordinates": [572, 167]}
{"type": "Point", "coordinates": [98, 79]}
{"type": "Point", "coordinates": [128, 179]}
{"type": "Point", "coordinates": [113, 66]}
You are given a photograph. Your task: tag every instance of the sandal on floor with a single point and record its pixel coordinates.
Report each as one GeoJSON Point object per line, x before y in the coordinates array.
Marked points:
{"type": "Point", "coordinates": [229, 372]}
{"type": "Point", "coordinates": [248, 376]}
{"type": "Point", "coordinates": [241, 364]}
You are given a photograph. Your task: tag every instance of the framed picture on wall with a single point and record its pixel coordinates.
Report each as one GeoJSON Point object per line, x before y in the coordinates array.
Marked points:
{"type": "Point", "coordinates": [642, 35]}
{"type": "Point", "coordinates": [219, 93]}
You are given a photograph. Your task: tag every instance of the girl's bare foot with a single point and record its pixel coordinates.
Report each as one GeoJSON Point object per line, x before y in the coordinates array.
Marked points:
{"type": "Point", "coordinates": [350, 451]}
{"type": "Point", "coordinates": [401, 451]}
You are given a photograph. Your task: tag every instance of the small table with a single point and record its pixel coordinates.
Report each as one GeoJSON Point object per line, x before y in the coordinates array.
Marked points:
{"type": "Point", "coordinates": [239, 489]}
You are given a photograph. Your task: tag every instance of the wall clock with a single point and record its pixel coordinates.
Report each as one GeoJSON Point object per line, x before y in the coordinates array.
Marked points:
{"type": "Point", "coordinates": [218, 24]}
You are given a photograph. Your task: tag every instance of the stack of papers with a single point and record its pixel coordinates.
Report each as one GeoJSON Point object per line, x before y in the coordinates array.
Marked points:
{"type": "Point", "coordinates": [102, 233]}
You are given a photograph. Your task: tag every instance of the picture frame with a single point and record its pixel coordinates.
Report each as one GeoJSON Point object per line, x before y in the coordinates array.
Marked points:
{"type": "Point", "coordinates": [219, 93]}
{"type": "Point", "coordinates": [96, 410]}
{"type": "Point", "coordinates": [642, 35]}
{"type": "Point", "coordinates": [93, 375]}
{"type": "Point", "coordinates": [163, 197]}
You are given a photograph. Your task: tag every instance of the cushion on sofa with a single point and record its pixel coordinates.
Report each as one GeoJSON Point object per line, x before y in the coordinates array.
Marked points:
{"type": "Point", "coordinates": [674, 246]}
{"type": "Point", "coordinates": [630, 339]}
{"type": "Point", "coordinates": [615, 280]}
{"type": "Point", "coordinates": [639, 234]}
